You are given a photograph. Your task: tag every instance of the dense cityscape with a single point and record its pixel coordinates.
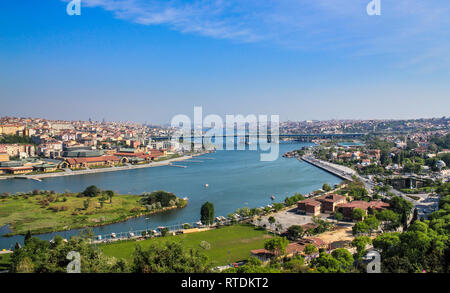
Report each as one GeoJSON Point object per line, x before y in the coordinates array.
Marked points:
{"type": "Point", "coordinates": [395, 182]}
{"type": "Point", "coordinates": [224, 145]}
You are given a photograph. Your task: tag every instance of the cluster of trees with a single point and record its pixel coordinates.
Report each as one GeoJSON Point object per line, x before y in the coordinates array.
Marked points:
{"type": "Point", "coordinates": [356, 190]}
{"type": "Point", "coordinates": [392, 218]}
{"type": "Point", "coordinates": [277, 206]}
{"type": "Point", "coordinates": [161, 199]}
{"type": "Point", "coordinates": [441, 142]}
{"type": "Point", "coordinates": [94, 191]}
{"type": "Point", "coordinates": [291, 200]}
{"type": "Point", "coordinates": [8, 139]}
{"type": "Point", "coordinates": [39, 256]}
{"type": "Point", "coordinates": [424, 245]}
{"type": "Point", "coordinates": [420, 248]}
{"type": "Point", "coordinates": [339, 261]}
{"type": "Point", "coordinates": [368, 225]}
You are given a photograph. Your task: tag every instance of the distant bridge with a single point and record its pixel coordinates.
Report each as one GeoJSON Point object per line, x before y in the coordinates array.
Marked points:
{"type": "Point", "coordinates": [299, 136]}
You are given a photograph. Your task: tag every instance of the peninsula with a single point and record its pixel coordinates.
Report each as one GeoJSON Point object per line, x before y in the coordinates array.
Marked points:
{"type": "Point", "coordinates": [47, 211]}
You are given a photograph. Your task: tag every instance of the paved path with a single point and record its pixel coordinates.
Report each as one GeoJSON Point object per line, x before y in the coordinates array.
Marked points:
{"type": "Point", "coordinates": [101, 170]}
{"type": "Point", "coordinates": [337, 170]}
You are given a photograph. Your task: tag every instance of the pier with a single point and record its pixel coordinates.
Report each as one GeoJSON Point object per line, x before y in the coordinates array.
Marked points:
{"type": "Point", "coordinates": [26, 177]}
{"type": "Point", "coordinates": [179, 166]}
{"type": "Point", "coordinates": [339, 171]}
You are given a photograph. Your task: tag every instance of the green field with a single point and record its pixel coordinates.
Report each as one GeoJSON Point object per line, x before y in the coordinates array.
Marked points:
{"type": "Point", "coordinates": [64, 211]}
{"type": "Point", "coordinates": [238, 240]}
{"type": "Point", "coordinates": [5, 261]}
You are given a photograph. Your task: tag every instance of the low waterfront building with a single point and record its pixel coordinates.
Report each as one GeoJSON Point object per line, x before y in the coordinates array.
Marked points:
{"type": "Point", "coordinates": [46, 167]}
{"type": "Point", "coordinates": [132, 156]}
{"type": "Point", "coordinates": [322, 204]}
{"type": "Point", "coordinates": [309, 207]}
{"type": "Point", "coordinates": [347, 208]}
{"type": "Point", "coordinates": [14, 167]}
{"type": "Point", "coordinates": [86, 162]}
{"type": "Point", "coordinates": [330, 201]}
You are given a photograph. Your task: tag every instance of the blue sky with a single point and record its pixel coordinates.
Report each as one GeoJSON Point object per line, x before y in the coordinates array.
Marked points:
{"type": "Point", "coordinates": [149, 60]}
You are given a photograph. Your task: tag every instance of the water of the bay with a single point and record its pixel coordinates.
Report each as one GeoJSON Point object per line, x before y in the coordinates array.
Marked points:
{"type": "Point", "coordinates": [235, 179]}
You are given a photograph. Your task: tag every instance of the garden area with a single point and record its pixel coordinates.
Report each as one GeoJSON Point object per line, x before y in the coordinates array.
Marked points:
{"type": "Point", "coordinates": [222, 245]}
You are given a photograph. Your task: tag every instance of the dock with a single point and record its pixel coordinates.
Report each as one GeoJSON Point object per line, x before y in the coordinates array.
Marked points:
{"type": "Point", "coordinates": [179, 166]}
{"type": "Point", "coordinates": [26, 177]}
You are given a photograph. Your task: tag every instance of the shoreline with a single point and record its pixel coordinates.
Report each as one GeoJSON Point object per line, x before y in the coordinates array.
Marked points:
{"type": "Point", "coordinates": [102, 170]}
{"type": "Point", "coordinates": [144, 214]}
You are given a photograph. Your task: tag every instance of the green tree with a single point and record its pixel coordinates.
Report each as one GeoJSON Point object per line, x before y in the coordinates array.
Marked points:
{"type": "Point", "coordinates": [207, 213]}
{"type": "Point", "coordinates": [310, 249]}
{"type": "Point", "coordinates": [27, 237]}
{"type": "Point", "coordinates": [360, 228]}
{"type": "Point", "coordinates": [358, 214]}
{"type": "Point", "coordinates": [295, 265]}
{"type": "Point", "coordinates": [86, 203]}
{"type": "Point", "coordinates": [372, 223]}
{"type": "Point", "coordinates": [295, 232]}
{"type": "Point", "coordinates": [271, 221]}
{"type": "Point", "coordinates": [162, 197]}
{"type": "Point", "coordinates": [326, 263]}
{"type": "Point", "coordinates": [390, 218]}
{"type": "Point", "coordinates": [169, 257]}
{"type": "Point", "coordinates": [276, 245]}
{"type": "Point", "coordinates": [91, 191]}
{"type": "Point", "coordinates": [344, 257]}
{"type": "Point", "coordinates": [110, 195]}
{"type": "Point", "coordinates": [338, 216]}
{"type": "Point", "coordinates": [400, 205]}
{"type": "Point", "coordinates": [40, 256]}
{"type": "Point", "coordinates": [326, 187]}
{"type": "Point", "coordinates": [360, 243]}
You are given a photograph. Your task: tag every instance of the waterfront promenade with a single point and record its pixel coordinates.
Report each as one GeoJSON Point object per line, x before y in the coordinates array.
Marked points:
{"type": "Point", "coordinates": [337, 170]}
{"type": "Point", "coordinates": [101, 170]}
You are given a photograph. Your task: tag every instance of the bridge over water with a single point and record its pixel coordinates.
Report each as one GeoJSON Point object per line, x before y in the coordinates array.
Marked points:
{"type": "Point", "coordinates": [297, 136]}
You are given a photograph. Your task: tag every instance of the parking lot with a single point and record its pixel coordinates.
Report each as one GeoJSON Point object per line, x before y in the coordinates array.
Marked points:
{"type": "Point", "coordinates": [287, 218]}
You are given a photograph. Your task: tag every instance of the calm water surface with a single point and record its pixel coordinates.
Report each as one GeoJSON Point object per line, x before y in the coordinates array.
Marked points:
{"type": "Point", "coordinates": [236, 179]}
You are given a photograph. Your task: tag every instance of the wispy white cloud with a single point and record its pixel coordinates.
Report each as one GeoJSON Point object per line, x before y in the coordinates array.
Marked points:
{"type": "Point", "coordinates": [414, 31]}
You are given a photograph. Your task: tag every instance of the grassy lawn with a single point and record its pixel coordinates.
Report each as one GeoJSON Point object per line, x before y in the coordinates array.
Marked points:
{"type": "Point", "coordinates": [24, 213]}
{"type": "Point", "coordinates": [5, 261]}
{"type": "Point", "coordinates": [238, 240]}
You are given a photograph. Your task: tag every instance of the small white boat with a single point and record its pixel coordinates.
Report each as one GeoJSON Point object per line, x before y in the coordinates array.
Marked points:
{"type": "Point", "coordinates": [206, 185]}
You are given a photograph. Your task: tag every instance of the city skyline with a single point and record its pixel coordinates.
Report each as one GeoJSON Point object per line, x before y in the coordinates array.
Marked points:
{"type": "Point", "coordinates": [130, 61]}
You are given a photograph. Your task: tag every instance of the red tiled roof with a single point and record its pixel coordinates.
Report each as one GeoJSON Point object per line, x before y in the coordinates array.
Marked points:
{"type": "Point", "coordinates": [310, 201]}
{"type": "Point", "coordinates": [316, 241]}
{"type": "Point", "coordinates": [16, 168]}
{"type": "Point", "coordinates": [365, 205]}
{"type": "Point", "coordinates": [356, 204]}
{"type": "Point", "coordinates": [92, 159]}
{"type": "Point", "coordinates": [331, 197]}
